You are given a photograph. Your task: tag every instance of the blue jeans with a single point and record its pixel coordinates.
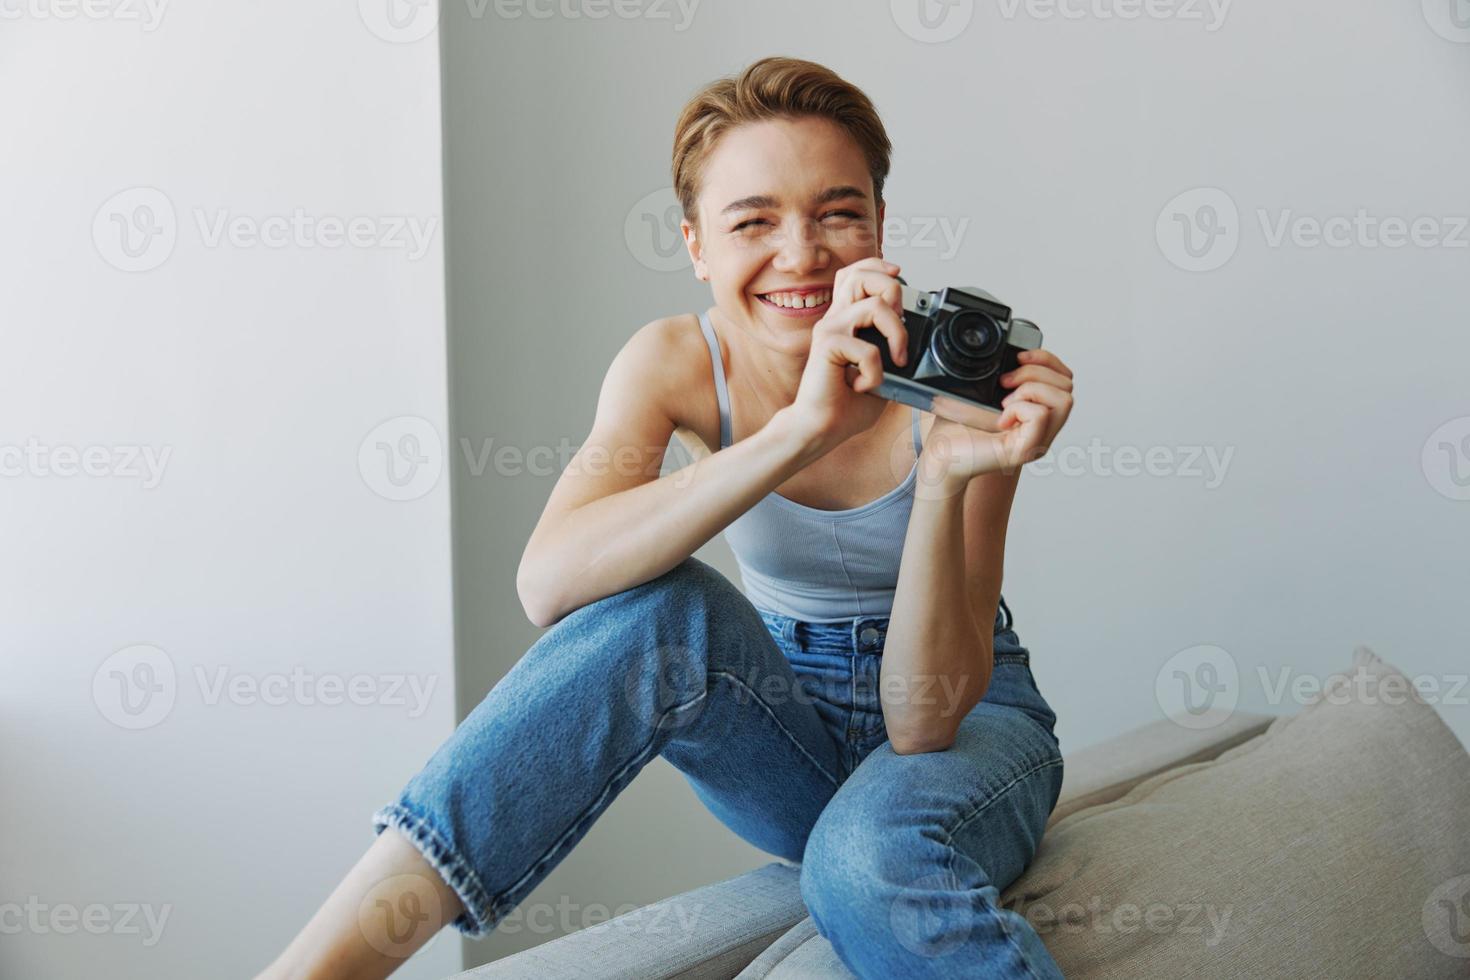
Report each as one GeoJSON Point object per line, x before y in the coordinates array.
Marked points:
{"type": "Point", "coordinates": [776, 724]}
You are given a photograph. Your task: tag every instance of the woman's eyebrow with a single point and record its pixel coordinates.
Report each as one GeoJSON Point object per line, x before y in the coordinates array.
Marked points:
{"type": "Point", "coordinates": [757, 201]}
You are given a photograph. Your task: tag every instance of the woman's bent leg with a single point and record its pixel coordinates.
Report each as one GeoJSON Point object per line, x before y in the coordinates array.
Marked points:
{"type": "Point", "coordinates": [681, 665]}
{"type": "Point", "coordinates": [903, 872]}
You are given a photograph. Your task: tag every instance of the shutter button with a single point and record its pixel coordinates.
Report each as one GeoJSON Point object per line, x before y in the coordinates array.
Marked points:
{"type": "Point", "coordinates": [868, 637]}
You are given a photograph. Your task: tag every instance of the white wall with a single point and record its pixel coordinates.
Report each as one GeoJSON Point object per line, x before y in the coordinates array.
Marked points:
{"type": "Point", "coordinates": [260, 370]}
{"type": "Point", "coordinates": [1051, 147]}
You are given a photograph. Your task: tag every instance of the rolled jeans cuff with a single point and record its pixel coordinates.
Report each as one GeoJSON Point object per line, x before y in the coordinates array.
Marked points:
{"type": "Point", "coordinates": [479, 915]}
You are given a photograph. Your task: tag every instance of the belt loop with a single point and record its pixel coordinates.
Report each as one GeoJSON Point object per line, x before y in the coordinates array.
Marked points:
{"type": "Point", "coordinates": [788, 630]}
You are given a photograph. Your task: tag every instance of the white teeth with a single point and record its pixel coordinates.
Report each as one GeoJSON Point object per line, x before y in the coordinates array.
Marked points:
{"type": "Point", "coordinates": [798, 301]}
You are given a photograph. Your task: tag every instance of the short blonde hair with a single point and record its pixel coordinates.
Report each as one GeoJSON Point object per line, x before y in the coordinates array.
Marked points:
{"type": "Point", "coordinates": [773, 88]}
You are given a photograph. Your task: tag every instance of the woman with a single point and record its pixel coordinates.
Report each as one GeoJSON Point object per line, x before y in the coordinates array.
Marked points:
{"type": "Point", "coordinates": [853, 710]}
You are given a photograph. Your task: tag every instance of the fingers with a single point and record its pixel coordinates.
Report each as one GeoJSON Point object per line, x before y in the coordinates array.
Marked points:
{"type": "Point", "coordinates": [1037, 372]}
{"type": "Point", "coordinates": [1027, 424]}
{"type": "Point", "coordinates": [874, 312]}
{"type": "Point", "coordinates": [1021, 412]}
{"type": "Point", "coordinates": [843, 348]}
{"type": "Point", "coordinates": [1045, 358]}
{"type": "Point", "coordinates": [872, 276]}
{"type": "Point", "coordinates": [1042, 393]}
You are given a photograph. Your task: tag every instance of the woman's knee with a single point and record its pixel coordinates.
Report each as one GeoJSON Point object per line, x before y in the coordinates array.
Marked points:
{"type": "Point", "coordinates": [690, 591]}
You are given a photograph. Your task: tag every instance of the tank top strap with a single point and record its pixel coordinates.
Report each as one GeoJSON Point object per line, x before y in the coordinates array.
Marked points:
{"type": "Point", "coordinates": [918, 439]}
{"type": "Point", "coordinates": [722, 393]}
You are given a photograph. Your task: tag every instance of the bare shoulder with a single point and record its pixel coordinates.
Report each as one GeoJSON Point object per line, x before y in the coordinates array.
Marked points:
{"type": "Point", "coordinates": [669, 360]}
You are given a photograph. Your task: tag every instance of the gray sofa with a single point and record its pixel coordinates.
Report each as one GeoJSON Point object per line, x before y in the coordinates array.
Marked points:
{"type": "Point", "coordinates": [1331, 842]}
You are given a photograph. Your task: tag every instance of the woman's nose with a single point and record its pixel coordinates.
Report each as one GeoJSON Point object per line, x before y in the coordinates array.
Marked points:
{"type": "Point", "coordinates": [800, 248]}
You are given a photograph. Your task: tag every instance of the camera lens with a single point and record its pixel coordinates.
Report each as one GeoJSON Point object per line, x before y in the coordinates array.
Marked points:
{"type": "Point", "coordinates": [967, 343]}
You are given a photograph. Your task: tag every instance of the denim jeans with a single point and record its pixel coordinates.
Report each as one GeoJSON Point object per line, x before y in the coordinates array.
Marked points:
{"type": "Point", "coordinates": [777, 726]}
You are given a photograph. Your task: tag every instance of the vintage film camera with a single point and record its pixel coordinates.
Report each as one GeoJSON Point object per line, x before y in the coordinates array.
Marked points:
{"type": "Point", "coordinates": [961, 340]}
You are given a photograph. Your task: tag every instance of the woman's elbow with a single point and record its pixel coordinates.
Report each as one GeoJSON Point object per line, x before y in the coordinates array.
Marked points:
{"type": "Point", "coordinates": [536, 600]}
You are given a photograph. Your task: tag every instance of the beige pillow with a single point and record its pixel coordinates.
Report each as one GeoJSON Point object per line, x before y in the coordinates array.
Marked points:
{"type": "Point", "coordinates": [1335, 844]}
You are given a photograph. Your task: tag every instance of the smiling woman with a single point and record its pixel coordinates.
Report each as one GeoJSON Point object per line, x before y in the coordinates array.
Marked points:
{"type": "Point", "coordinates": [864, 706]}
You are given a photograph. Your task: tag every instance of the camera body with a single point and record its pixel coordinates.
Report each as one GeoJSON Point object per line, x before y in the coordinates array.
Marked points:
{"type": "Point", "coordinates": [961, 340]}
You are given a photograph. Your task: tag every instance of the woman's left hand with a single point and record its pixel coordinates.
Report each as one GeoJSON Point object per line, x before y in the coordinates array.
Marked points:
{"type": "Point", "coordinates": [1031, 416]}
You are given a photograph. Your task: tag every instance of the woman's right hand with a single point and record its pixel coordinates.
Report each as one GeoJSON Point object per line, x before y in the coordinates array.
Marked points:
{"type": "Point", "coordinates": [833, 400]}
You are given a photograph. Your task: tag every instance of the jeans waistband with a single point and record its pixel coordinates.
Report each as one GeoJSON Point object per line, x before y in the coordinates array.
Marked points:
{"type": "Point", "coordinates": [862, 634]}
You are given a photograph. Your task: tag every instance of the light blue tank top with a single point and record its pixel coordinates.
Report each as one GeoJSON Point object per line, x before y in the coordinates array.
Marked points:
{"type": "Point", "coordinates": [813, 564]}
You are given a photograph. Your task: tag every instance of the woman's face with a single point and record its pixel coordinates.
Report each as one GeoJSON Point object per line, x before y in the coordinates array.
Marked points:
{"type": "Point", "coordinates": [783, 204]}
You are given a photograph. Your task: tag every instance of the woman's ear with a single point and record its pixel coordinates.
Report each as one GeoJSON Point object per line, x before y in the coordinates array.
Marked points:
{"type": "Point", "coordinates": [696, 249]}
{"type": "Point", "coordinates": [881, 209]}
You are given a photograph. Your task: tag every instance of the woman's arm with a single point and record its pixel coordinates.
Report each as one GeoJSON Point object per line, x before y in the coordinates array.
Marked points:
{"type": "Point", "coordinates": [612, 522]}
{"type": "Point", "coordinates": [939, 651]}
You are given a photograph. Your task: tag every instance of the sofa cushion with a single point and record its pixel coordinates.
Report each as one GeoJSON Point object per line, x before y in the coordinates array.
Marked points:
{"type": "Point", "coordinates": [1333, 843]}
{"type": "Point", "coordinates": [1336, 843]}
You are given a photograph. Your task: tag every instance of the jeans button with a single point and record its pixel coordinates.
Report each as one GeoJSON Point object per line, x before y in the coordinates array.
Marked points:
{"type": "Point", "coordinates": [868, 637]}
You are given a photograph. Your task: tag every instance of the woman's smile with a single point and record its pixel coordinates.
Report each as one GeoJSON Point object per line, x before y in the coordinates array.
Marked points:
{"type": "Point", "coordinates": [809, 302]}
